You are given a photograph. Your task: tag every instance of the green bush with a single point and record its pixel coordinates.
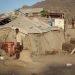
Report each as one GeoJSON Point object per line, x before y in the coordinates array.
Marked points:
{"type": "Point", "coordinates": [44, 13]}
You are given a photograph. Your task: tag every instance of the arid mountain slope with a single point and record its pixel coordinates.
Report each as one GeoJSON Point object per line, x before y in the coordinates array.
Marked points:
{"type": "Point", "coordinates": [64, 6]}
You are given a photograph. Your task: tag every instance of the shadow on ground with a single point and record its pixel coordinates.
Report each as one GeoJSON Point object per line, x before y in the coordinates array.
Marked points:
{"type": "Point", "coordinates": [59, 70]}
{"type": "Point", "coordinates": [48, 70]}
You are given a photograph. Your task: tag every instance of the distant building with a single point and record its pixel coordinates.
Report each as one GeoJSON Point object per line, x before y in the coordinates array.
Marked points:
{"type": "Point", "coordinates": [56, 20]}
{"type": "Point", "coordinates": [56, 15]}
{"type": "Point", "coordinates": [31, 11]}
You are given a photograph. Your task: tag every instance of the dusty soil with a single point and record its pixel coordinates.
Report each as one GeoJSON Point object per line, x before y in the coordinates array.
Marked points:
{"type": "Point", "coordinates": [39, 65]}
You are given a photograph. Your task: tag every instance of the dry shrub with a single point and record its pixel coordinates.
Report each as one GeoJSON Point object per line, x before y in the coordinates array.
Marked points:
{"type": "Point", "coordinates": [68, 47]}
{"type": "Point", "coordinates": [51, 52]}
{"type": "Point", "coordinates": [72, 41]}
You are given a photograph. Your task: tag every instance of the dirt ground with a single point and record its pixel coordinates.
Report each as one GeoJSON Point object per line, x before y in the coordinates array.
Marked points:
{"type": "Point", "coordinates": [39, 65]}
{"type": "Point", "coordinates": [58, 64]}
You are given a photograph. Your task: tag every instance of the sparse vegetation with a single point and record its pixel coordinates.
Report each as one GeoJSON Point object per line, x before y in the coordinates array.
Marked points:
{"type": "Point", "coordinates": [16, 12]}
{"type": "Point", "coordinates": [44, 13]}
{"type": "Point", "coordinates": [11, 18]}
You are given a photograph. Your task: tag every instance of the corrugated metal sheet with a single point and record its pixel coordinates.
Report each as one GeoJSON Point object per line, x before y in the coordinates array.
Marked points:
{"type": "Point", "coordinates": [24, 24]}
{"type": "Point", "coordinates": [41, 25]}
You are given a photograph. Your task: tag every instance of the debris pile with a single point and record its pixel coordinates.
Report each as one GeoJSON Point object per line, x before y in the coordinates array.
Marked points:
{"type": "Point", "coordinates": [69, 46]}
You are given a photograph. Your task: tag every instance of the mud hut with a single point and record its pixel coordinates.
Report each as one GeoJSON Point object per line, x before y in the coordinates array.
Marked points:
{"type": "Point", "coordinates": [37, 40]}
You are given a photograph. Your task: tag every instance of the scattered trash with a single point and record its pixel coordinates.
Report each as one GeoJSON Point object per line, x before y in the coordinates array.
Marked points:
{"type": "Point", "coordinates": [68, 64]}
{"type": "Point", "coordinates": [1, 58]}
